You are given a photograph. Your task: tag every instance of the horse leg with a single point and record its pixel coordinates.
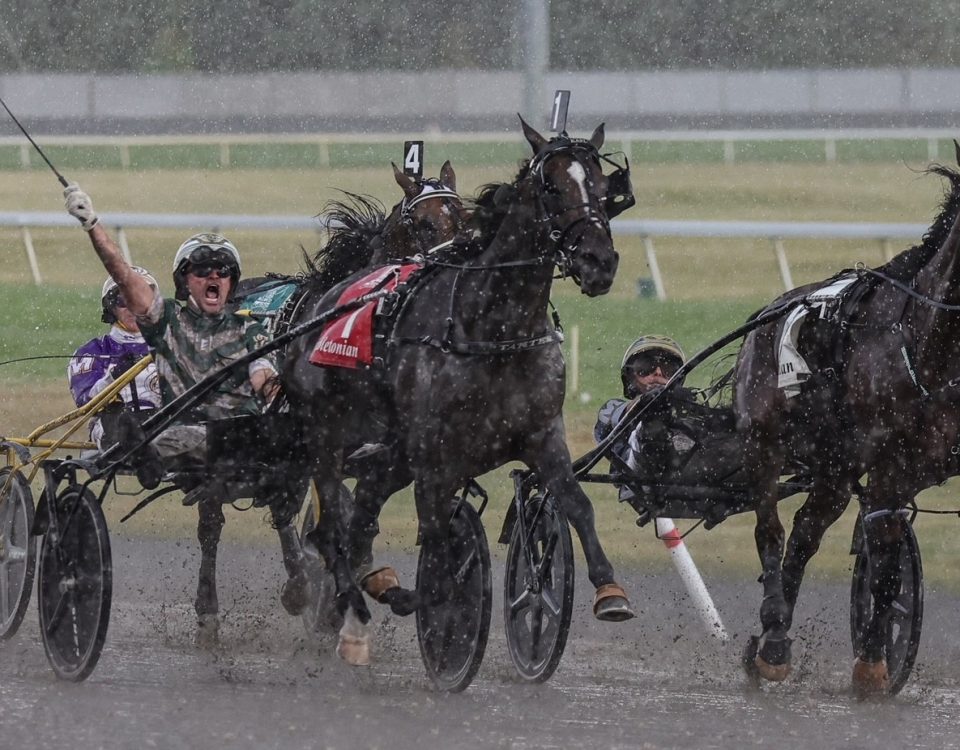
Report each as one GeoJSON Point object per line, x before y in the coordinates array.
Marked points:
{"type": "Point", "coordinates": [818, 513]}
{"type": "Point", "coordinates": [883, 532]}
{"type": "Point", "coordinates": [433, 495]}
{"type": "Point", "coordinates": [821, 510]}
{"type": "Point", "coordinates": [293, 594]}
{"type": "Point", "coordinates": [552, 465]}
{"type": "Point", "coordinates": [209, 526]}
{"type": "Point", "coordinates": [370, 495]}
{"type": "Point", "coordinates": [328, 536]}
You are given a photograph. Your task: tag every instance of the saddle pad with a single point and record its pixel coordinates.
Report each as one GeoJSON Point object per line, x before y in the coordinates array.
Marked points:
{"type": "Point", "coordinates": [347, 341]}
{"type": "Point", "coordinates": [266, 299]}
{"type": "Point", "coordinates": [792, 368]}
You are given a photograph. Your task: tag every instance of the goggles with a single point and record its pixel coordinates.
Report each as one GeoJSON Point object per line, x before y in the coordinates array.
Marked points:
{"type": "Point", "coordinates": [647, 364]}
{"type": "Point", "coordinates": [205, 270]}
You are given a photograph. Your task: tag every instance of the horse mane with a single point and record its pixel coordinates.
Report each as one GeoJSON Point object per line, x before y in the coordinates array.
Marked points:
{"type": "Point", "coordinates": [907, 264]}
{"type": "Point", "coordinates": [938, 231]}
{"type": "Point", "coordinates": [489, 207]}
{"type": "Point", "coordinates": [356, 221]}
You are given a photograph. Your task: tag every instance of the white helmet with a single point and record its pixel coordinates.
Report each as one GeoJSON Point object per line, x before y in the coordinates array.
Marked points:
{"type": "Point", "coordinates": [204, 248]}
{"type": "Point", "coordinates": [111, 293]}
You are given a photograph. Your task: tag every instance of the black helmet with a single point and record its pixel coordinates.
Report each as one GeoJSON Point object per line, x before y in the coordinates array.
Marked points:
{"type": "Point", "coordinates": [646, 345]}
{"type": "Point", "coordinates": [205, 248]}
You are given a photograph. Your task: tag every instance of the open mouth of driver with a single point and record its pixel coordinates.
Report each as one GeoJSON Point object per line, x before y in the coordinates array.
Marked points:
{"type": "Point", "coordinates": [211, 291]}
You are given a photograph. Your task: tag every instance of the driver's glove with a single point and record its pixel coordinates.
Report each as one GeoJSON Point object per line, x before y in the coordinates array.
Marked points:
{"type": "Point", "coordinates": [79, 206]}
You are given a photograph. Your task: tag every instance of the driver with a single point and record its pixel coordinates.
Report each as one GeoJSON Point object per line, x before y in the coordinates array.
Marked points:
{"type": "Point", "coordinates": [193, 335]}
{"type": "Point", "coordinates": [98, 363]}
{"type": "Point", "coordinates": [680, 439]}
{"type": "Point", "coordinates": [647, 365]}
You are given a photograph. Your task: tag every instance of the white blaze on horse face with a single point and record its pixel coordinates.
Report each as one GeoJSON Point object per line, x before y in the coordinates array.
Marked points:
{"type": "Point", "coordinates": [579, 175]}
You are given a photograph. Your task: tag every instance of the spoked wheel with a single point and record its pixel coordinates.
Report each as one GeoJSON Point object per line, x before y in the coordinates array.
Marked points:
{"type": "Point", "coordinates": [320, 616]}
{"type": "Point", "coordinates": [538, 589]}
{"type": "Point", "coordinates": [18, 550]}
{"type": "Point", "coordinates": [75, 584]}
{"type": "Point", "coordinates": [906, 613]}
{"type": "Point", "coordinates": [453, 635]}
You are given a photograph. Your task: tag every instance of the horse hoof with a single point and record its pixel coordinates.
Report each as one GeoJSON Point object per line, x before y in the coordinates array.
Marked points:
{"type": "Point", "coordinates": [293, 594]}
{"type": "Point", "coordinates": [771, 672]}
{"type": "Point", "coordinates": [208, 632]}
{"type": "Point", "coordinates": [870, 678]}
{"type": "Point", "coordinates": [610, 604]}
{"type": "Point", "coordinates": [354, 650]}
{"type": "Point", "coordinates": [772, 661]}
{"type": "Point", "coordinates": [377, 583]}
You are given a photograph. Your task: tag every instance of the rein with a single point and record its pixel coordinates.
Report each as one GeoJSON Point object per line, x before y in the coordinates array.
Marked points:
{"type": "Point", "coordinates": [910, 291]}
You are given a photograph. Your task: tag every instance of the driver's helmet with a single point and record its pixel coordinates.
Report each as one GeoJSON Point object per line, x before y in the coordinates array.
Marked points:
{"type": "Point", "coordinates": [204, 248]}
{"type": "Point", "coordinates": [645, 354]}
{"type": "Point", "coordinates": [110, 294]}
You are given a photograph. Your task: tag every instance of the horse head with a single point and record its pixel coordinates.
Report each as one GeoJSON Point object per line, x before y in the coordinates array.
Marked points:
{"type": "Point", "coordinates": [566, 177]}
{"type": "Point", "coordinates": [430, 213]}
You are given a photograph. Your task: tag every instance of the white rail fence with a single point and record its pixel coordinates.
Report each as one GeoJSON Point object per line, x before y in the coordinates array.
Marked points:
{"type": "Point", "coordinates": [647, 229]}
{"type": "Point", "coordinates": [934, 139]}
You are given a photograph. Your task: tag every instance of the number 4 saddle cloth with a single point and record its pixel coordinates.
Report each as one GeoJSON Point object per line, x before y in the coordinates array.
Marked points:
{"type": "Point", "coordinates": [348, 341]}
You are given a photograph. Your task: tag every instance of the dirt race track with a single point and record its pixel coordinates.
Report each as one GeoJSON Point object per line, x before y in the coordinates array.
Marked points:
{"type": "Point", "coordinates": [656, 681]}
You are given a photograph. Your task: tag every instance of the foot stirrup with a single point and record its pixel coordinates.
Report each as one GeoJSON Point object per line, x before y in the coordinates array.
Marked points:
{"type": "Point", "coordinates": [379, 581]}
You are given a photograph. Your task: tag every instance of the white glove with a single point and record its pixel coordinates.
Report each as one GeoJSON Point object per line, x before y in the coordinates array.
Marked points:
{"type": "Point", "coordinates": [79, 206]}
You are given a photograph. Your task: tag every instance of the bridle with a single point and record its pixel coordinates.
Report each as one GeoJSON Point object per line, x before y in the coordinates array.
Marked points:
{"type": "Point", "coordinates": [430, 189]}
{"type": "Point", "coordinates": [565, 245]}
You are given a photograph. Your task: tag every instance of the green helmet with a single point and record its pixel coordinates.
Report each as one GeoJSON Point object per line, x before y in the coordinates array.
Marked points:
{"type": "Point", "coordinates": [664, 345]}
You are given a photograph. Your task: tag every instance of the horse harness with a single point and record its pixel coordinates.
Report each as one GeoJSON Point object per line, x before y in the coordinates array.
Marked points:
{"type": "Point", "coordinates": [619, 197]}
{"type": "Point", "coordinates": [869, 280]}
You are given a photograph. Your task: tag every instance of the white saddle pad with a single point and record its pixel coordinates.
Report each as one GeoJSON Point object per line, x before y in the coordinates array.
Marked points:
{"type": "Point", "coordinates": [792, 368]}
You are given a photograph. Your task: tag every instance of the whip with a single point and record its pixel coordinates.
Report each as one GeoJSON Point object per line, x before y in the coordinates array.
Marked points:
{"type": "Point", "coordinates": [63, 180]}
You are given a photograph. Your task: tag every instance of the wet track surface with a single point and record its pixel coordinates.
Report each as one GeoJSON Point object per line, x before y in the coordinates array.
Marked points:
{"type": "Point", "coordinates": [656, 681]}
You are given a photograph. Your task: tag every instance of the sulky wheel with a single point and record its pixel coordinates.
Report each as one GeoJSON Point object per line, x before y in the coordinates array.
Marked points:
{"type": "Point", "coordinates": [75, 584]}
{"type": "Point", "coordinates": [320, 616]}
{"type": "Point", "coordinates": [453, 634]}
{"type": "Point", "coordinates": [538, 589]}
{"type": "Point", "coordinates": [906, 613]}
{"type": "Point", "coordinates": [18, 550]}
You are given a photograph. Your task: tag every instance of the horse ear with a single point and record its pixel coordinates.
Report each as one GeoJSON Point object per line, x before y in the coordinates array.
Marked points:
{"type": "Point", "coordinates": [596, 140]}
{"type": "Point", "coordinates": [536, 141]}
{"type": "Point", "coordinates": [447, 176]}
{"type": "Point", "coordinates": [956, 149]}
{"type": "Point", "coordinates": [405, 182]}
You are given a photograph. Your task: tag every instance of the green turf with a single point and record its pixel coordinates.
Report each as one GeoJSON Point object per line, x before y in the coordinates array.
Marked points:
{"type": "Point", "coordinates": [179, 156]}
{"type": "Point", "coordinates": [269, 154]}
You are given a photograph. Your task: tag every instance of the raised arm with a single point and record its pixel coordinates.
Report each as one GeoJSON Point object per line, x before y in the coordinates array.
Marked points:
{"type": "Point", "coordinates": [136, 291]}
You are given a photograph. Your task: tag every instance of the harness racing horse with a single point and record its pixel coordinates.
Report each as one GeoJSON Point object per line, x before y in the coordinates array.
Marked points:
{"type": "Point", "coordinates": [430, 212]}
{"type": "Point", "coordinates": [473, 376]}
{"type": "Point", "coordinates": [882, 401]}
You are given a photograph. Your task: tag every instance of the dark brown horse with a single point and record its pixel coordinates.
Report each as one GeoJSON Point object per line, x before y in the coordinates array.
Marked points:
{"type": "Point", "coordinates": [430, 213]}
{"type": "Point", "coordinates": [474, 376]}
{"type": "Point", "coordinates": [881, 401]}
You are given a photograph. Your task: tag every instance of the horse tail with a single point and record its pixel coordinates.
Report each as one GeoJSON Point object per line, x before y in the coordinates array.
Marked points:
{"type": "Point", "coordinates": [354, 223]}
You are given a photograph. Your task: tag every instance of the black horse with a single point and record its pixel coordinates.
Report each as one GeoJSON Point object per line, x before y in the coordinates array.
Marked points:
{"type": "Point", "coordinates": [429, 213]}
{"type": "Point", "coordinates": [473, 375]}
{"type": "Point", "coordinates": [880, 402]}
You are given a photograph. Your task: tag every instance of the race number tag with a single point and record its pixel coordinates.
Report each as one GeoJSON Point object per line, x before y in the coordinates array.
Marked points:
{"type": "Point", "coordinates": [558, 118]}
{"type": "Point", "coordinates": [413, 158]}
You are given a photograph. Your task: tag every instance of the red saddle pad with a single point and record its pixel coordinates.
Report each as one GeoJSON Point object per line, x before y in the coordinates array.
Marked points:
{"type": "Point", "coordinates": [347, 341]}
